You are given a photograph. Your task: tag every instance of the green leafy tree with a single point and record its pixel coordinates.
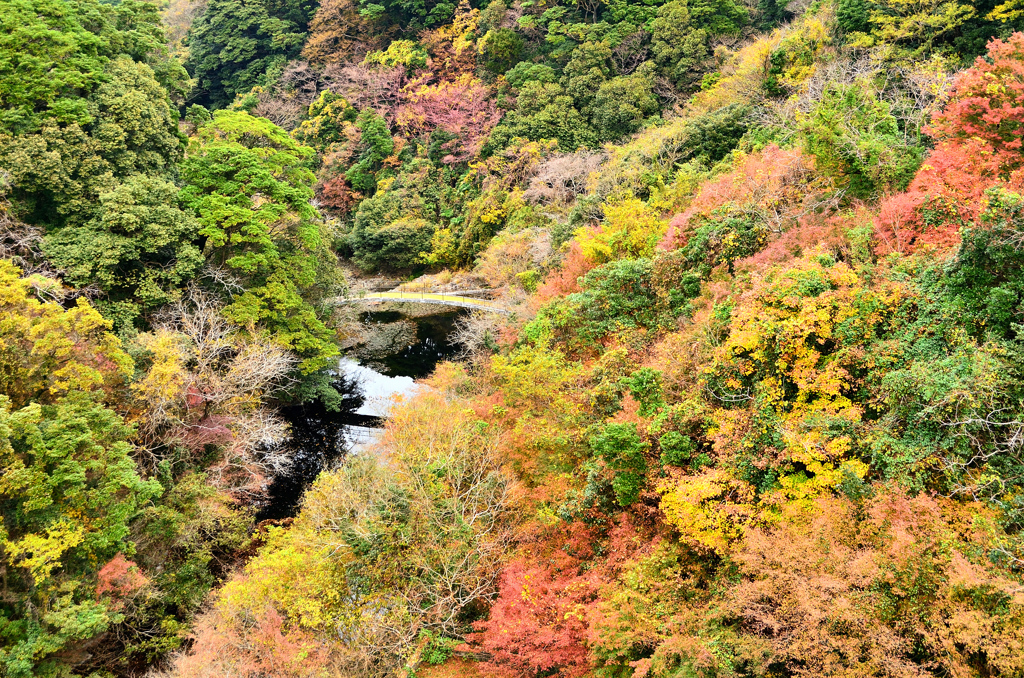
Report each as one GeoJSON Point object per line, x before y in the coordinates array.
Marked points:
{"type": "Point", "coordinates": [128, 128]}
{"type": "Point", "coordinates": [588, 69]}
{"type": "Point", "coordinates": [378, 144]}
{"type": "Point", "coordinates": [411, 15]}
{"type": "Point", "coordinates": [502, 49]}
{"type": "Point", "coordinates": [67, 493]}
{"type": "Point", "coordinates": [623, 103]}
{"type": "Point", "coordinates": [545, 111]}
{"type": "Point", "coordinates": [53, 55]}
{"type": "Point", "coordinates": [622, 448]}
{"type": "Point", "coordinates": [986, 279]}
{"type": "Point", "coordinates": [855, 135]}
{"type": "Point", "coordinates": [248, 183]}
{"type": "Point", "coordinates": [852, 16]}
{"type": "Point", "coordinates": [918, 24]}
{"type": "Point", "coordinates": [681, 34]}
{"type": "Point", "coordinates": [68, 485]}
{"type": "Point", "coordinates": [236, 45]}
{"type": "Point", "coordinates": [140, 249]}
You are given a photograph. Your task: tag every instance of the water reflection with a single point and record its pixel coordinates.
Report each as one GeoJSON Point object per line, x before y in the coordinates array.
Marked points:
{"type": "Point", "coordinates": [401, 350]}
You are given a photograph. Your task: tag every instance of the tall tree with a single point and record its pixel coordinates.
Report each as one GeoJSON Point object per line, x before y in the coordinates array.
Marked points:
{"type": "Point", "coordinates": [235, 44]}
{"type": "Point", "coordinates": [248, 183]}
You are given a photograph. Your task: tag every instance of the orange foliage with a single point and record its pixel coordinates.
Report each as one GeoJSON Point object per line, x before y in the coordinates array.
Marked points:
{"type": "Point", "coordinates": [262, 646]}
{"type": "Point", "coordinates": [119, 579]}
{"type": "Point", "coordinates": [539, 623]}
{"type": "Point", "coordinates": [840, 587]}
{"type": "Point", "coordinates": [564, 280]}
{"type": "Point", "coordinates": [979, 146]}
{"type": "Point", "coordinates": [774, 184]}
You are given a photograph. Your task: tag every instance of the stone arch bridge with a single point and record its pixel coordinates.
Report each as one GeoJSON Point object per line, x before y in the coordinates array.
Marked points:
{"type": "Point", "coordinates": [425, 298]}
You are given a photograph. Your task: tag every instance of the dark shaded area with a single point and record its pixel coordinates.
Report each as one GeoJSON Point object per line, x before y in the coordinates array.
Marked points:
{"type": "Point", "coordinates": [318, 441]}
{"type": "Point", "coordinates": [432, 343]}
{"type": "Point", "coordinates": [318, 434]}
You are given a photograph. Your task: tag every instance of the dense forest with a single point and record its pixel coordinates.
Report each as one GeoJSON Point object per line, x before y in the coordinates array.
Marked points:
{"type": "Point", "coordinates": [757, 408]}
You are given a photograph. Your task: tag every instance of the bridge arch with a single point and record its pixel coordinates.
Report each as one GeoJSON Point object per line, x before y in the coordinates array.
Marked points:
{"type": "Point", "coordinates": [426, 298]}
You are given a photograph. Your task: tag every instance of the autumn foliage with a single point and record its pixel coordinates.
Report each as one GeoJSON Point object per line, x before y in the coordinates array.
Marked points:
{"type": "Point", "coordinates": [978, 146]}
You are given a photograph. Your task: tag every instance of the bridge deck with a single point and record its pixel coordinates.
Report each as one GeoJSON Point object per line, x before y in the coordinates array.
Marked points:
{"type": "Point", "coordinates": [426, 298]}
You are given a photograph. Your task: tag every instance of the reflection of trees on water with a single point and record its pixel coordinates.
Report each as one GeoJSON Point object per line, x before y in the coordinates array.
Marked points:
{"type": "Point", "coordinates": [407, 347]}
{"type": "Point", "coordinates": [318, 440]}
{"type": "Point", "coordinates": [396, 347]}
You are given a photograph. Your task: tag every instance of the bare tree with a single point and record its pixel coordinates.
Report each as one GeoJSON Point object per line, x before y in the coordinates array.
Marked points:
{"type": "Point", "coordinates": [379, 88]}
{"type": "Point", "coordinates": [208, 385]}
{"type": "Point", "coordinates": [631, 52]}
{"type": "Point", "coordinates": [562, 178]}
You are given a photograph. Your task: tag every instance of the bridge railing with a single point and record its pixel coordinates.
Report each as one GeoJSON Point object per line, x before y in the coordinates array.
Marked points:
{"type": "Point", "coordinates": [427, 297]}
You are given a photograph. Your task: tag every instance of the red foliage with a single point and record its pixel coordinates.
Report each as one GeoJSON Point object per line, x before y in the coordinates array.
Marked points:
{"type": "Point", "coordinates": [814, 230]}
{"type": "Point", "coordinates": [979, 134]}
{"type": "Point", "coordinates": [541, 620]}
{"type": "Point", "coordinates": [565, 279]}
{"type": "Point", "coordinates": [119, 579]}
{"type": "Point", "coordinates": [210, 430]}
{"type": "Point", "coordinates": [336, 195]}
{"type": "Point", "coordinates": [987, 104]}
{"type": "Point", "coordinates": [463, 108]}
{"type": "Point", "coordinates": [253, 648]}
{"type": "Point", "coordinates": [772, 182]}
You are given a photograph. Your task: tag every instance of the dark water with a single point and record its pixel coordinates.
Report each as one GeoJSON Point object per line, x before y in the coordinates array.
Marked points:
{"type": "Point", "coordinates": [432, 345]}
{"type": "Point", "coordinates": [319, 436]}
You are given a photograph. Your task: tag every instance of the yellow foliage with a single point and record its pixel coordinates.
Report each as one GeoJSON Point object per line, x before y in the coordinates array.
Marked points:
{"type": "Point", "coordinates": [631, 229]}
{"type": "Point", "coordinates": [709, 510]}
{"type": "Point", "coordinates": [533, 375]}
{"type": "Point", "coordinates": [47, 351]}
{"type": "Point", "coordinates": [294, 574]}
{"type": "Point", "coordinates": [41, 554]}
{"type": "Point", "coordinates": [795, 344]}
{"type": "Point", "coordinates": [165, 379]}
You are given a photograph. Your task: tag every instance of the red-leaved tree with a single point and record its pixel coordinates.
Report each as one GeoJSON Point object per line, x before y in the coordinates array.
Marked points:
{"type": "Point", "coordinates": [979, 145]}
{"type": "Point", "coordinates": [462, 108]}
{"type": "Point", "coordinates": [776, 186]}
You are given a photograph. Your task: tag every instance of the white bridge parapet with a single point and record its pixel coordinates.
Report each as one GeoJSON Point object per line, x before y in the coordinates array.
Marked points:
{"type": "Point", "coordinates": [425, 298]}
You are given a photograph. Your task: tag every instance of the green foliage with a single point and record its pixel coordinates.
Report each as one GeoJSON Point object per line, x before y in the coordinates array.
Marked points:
{"type": "Point", "coordinates": [525, 72]}
{"type": "Point", "coordinates": [681, 35]}
{"type": "Point", "coordinates": [986, 279]}
{"type": "Point", "coordinates": [378, 143]}
{"type": "Point", "coordinates": [676, 449]}
{"type": "Point", "coordinates": [852, 16]}
{"type": "Point", "coordinates": [139, 249]}
{"type": "Point", "coordinates": [400, 53]}
{"type": "Point", "coordinates": [53, 55]}
{"type": "Point", "coordinates": [622, 105]}
{"type": "Point", "coordinates": [622, 448]}
{"type": "Point", "coordinates": [390, 229]}
{"type": "Point", "coordinates": [854, 135]}
{"type": "Point", "coordinates": [502, 49]}
{"type": "Point", "coordinates": [326, 121]}
{"type": "Point", "coordinates": [544, 111]}
{"type": "Point", "coordinates": [248, 184]}
{"type": "Point", "coordinates": [645, 387]}
{"type": "Point", "coordinates": [68, 491]}
{"type": "Point", "coordinates": [411, 15]}
{"type": "Point", "coordinates": [627, 296]}
{"type": "Point", "coordinates": [236, 45]}
{"type": "Point", "coordinates": [59, 172]}
{"type": "Point", "coordinates": [724, 236]}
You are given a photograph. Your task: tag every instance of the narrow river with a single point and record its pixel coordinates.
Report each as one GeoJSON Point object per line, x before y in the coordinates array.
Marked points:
{"type": "Point", "coordinates": [398, 350]}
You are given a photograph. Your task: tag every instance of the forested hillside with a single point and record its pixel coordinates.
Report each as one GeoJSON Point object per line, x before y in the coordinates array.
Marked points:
{"type": "Point", "coordinates": [757, 408]}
